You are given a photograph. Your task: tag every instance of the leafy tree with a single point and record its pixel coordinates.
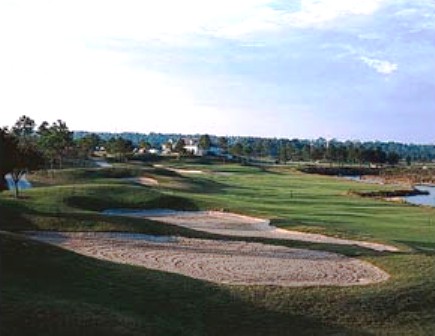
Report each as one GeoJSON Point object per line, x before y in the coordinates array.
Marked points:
{"type": "Point", "coordinates": [55, 141]}
{"type": "Point", "coordinates": [247, 149]}
{"type": "Point", "coordinates": [237, 149]}
{"type": "Point", "coordinates": [87, 144]}
{"type": "Point", "coordinates": [180, 147]}
{"type": "Point", "coordinates": [204, 142]}
{"type": "Point", "coordinates": [393, 158]}
{"type": "Point", "coordinates": [283, 154]}
{"type": "Point", "coordinates": [8, 145]}
{"type": "Point", "coordinates": [120, 147]}
{"type": "Point", "coordinates": [24, 127]}
{"type": "Point", "coordinates": [223, 144]}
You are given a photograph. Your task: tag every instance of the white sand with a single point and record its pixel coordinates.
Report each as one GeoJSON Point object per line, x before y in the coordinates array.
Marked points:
{"type": "Point", "coordinates": [146, 181]}
{"type": "Point", "coordinates": [235, 263]}
{"type": "Point", "coordinates": [242, 226]}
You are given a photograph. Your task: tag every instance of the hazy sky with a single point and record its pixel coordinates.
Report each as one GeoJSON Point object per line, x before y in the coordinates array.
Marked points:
{"type": "Point", "coordinates": [349, 69]}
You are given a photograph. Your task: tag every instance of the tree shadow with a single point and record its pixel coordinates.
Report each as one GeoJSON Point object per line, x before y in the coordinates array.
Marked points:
{"type": "Point", "coordinates": [13, 217]}
{"type": "Point", "coordinates": [131, 300]}
{"type": "Point", "coordinates": [426, 248]}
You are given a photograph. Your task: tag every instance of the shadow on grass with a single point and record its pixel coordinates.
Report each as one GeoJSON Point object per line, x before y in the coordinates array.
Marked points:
{"type": "Point", "coordinates": [96, 203]}
{"type": "Point", "coordinates": [50, 291]}
{"type": "Point", "coordinates": [425, 248]}
{"type": "Point", "coordinates": [13, 218]}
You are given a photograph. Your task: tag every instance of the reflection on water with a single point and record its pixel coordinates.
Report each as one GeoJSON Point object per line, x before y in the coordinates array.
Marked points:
{"type": "Point", "coordinates": [423, 199]}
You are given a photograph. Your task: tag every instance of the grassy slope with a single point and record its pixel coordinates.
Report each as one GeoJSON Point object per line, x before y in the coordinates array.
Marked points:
{"type": "Point", "coordinates": [46, 290]}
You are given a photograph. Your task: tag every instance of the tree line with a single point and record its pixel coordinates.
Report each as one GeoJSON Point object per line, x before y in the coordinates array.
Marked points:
{"type": "Point", "coordinates": [26, 146]}
{"type": "Point", "coordinates": [293, 149]}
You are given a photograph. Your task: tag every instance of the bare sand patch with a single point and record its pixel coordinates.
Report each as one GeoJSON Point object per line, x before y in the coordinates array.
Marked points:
{"type": "Point", "coordinates": [146, 181]}
{"type": "Point", "coordinates": [225, 262]}
{"type": "Point", "coordinates": [186, 171]}
{"type": "Point", "coordinates": [231, 224]}
{"type": "Point", "coordinates": [178, 170]}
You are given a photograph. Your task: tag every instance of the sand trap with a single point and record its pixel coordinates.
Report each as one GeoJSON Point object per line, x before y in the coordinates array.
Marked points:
{"type": "Point", "coordinates": [186, 171]}
{"type": "Point", "coordinates": [179, 171]}
{"type": "Point", "coordinates": [242, 226]}
{"type": "Point", "coordinates": [146, 181]}
{"type": "Point", "coordinates": [235, 263]}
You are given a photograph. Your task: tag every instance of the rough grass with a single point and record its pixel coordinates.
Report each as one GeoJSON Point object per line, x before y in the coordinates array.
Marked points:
{"type": "Point", "coordinates": [49, 291]}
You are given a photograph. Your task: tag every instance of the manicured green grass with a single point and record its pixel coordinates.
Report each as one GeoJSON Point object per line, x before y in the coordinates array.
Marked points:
{"type": "Point", "coordinates": [319, 204]}
{"type": "Point", "coordinates": [49, 291]}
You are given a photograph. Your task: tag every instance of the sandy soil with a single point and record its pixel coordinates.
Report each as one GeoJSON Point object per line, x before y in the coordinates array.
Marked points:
{"type": "Point", "coordinates": [242, 226]}
{"type": "Point", "coordinates": [186, 171]}
{"type": "Point", "coordinates": [235, 263]}
{"type": "Point", "coordinates": [179, 171]}
{"type": "Point", "coordinates": [146, 181]}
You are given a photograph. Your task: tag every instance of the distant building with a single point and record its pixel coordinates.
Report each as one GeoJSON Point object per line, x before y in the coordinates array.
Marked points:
{"type": "Point", "coordinates": [167, 147]}
{"type": "Point", "coordinates": [154, 151]}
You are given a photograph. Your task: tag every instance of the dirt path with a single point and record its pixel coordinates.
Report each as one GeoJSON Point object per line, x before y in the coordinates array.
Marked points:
{"type": "Point", "coordinates": [241, 226]}
{"type": "Point", "coordinates": [235, 263]}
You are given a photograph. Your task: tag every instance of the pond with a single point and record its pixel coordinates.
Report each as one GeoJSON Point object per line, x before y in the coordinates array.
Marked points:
{"type": "Point", "coordinates": [428, 200]}
{"type": "Point", "coordinates": [22, 184]}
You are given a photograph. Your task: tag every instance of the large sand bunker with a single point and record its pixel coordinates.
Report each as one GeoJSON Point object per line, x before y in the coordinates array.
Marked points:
{"type": "Point", "coordinates": [230, 224]}
{"type": "Point", "coordinates": [235, 263]}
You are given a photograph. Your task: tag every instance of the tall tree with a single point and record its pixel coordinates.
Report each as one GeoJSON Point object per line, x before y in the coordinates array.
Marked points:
{"type": "Point", "coordinates": [24, 127]}
{"type": "Point", "coordinates": [393, 158]}
{"type": "Point", "coordinates": [55, 141]}
{"type": "Point", "coordinates": [87, 144]}
{"type": "Point", "coordinates": [180, 147]}
{"type": "Point", "coordinates": [283, 154]}
{"type": "Point", "coordinates": [119, 147]}
{"type": "Point", "coordinates": [204, 142]}
{"type": "Point", "coordinates": [8, 144]}
{"type": "Point", "coordinates": [237, 149]}
{"type": "Point", "coordinates": [223, 144]}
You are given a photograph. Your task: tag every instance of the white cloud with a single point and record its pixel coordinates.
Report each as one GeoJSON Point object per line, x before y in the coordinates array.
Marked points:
{"type": "Point", "coordinates": [381, 66]}
{"type": "Point", "coordinates": [169, 21]}
{"type": "Point", "coordinates": [317, 12]}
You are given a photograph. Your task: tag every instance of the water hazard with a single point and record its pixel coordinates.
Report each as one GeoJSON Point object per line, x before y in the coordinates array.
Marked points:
{"type": "Point", "coordinates": [23, 183]}
{"type": "Point", "coordinates": [428, 200]}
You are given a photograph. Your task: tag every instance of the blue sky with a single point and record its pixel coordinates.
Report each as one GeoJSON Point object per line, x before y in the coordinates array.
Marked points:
{"type": "Point", "coordinates": [343, 69]}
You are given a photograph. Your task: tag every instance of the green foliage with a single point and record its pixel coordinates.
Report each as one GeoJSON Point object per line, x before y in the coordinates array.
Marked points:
{"type": "Point", "coordinates": [237, 149]}
{"type": "Point", "coordinates": [120, 147]}
{"type": "Point", "coordinates": [351, 151]}
{"type": "Point", "coordinates": [55, 141]}
{"type": "Point", "coordinates": [223, 144]}
{"type": "Point", "coordinates": [179, 147]}
{"type": "Point", "coordinates": [204, 142]}
{"type": "Point", "coordinates": [87, 145]}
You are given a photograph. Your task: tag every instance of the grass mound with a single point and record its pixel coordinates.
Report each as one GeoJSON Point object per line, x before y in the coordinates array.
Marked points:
{"type": "Point", "coordinates": [80, 175]}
